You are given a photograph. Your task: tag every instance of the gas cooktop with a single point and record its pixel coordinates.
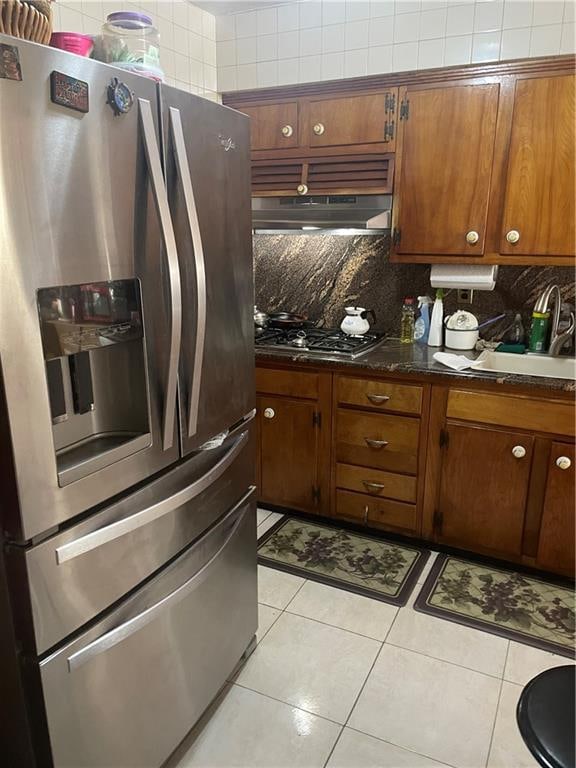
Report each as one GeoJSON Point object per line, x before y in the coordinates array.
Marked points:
{"type": "Point", "coordinates": [317, 340]}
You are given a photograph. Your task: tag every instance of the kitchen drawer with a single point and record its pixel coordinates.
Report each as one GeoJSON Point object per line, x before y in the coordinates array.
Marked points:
{"type": "Point", "coordinates": [383, 396]}
{"type": "Point", "coordinates": [398, 434]}
{"type": "Point", "coordinates": [128, 689]}
{"type": "Point", "coordinates": [376, 483]}
{"type": "Point", "coordinates": [79, 572]}
{"type": "Point", "coordinates": [385, 513]}
{"type": "Point", "coordinates": [288, 383]}
{"type": "Point", "coordinates": [520, 412]}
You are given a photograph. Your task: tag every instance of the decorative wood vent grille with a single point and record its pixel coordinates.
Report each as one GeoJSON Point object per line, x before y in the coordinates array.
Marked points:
{"type": "Point", "coordinates": [346, 173]}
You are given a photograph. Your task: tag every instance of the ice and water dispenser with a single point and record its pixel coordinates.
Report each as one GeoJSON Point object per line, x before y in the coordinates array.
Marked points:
{"type": "Point", "coordinates": [94, 351]}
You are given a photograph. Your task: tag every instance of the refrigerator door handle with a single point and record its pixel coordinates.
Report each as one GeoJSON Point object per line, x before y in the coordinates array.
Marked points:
{"type": "Point", "coordinates": [183, 170]}
{"type": "Point", "coordinates": [163, 210]}
{"type": "Point", "coordinates": [129, 524]}
{"type": "Point", "coordinates": [123, 631]}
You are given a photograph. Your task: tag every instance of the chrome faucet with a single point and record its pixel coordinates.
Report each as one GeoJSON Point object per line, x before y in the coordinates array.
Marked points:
{"type": "Point", "coordinates": [557, 340]}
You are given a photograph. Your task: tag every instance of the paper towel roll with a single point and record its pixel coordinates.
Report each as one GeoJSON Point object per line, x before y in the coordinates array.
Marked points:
{"type": "Point", "coordinates": [476, 278]}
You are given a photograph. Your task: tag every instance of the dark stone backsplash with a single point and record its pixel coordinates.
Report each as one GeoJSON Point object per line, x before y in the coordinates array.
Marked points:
{"type": "Point", "coordinates": [319, 275]}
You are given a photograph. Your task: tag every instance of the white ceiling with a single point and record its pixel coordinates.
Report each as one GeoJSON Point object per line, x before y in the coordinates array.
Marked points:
{"type": "Point", "coordinates": [220, 7]}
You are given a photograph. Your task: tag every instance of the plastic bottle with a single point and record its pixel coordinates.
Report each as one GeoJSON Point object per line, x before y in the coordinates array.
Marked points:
{"type": "Point", "coordinates": [407, 322]}
{"type": "Point", "coordinates": [515, 333]}
{"type": "Point", "coordinates": [436, 323]}
{"type": "Point", "coordinates": [422, 324]}
{"type": "Point", "coordinates": [539, 331]}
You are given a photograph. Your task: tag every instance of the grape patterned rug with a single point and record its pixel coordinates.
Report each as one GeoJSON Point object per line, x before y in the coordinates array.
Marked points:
{"type": "Point", "coordinates": [506, 603]}
{"type": "Point", "coordinates": [358, 562]}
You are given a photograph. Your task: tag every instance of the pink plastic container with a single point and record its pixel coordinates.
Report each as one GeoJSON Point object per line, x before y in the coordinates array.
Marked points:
{"type": "Point", "coordinates": [72, 42]}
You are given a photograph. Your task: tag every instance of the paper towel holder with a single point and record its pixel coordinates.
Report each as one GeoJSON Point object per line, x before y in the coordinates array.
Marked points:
{"type": "Point", "coordinates": [469, 276]}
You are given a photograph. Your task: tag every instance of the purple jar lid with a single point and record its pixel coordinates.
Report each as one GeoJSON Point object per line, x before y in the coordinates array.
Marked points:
{"type": "Point", "coordinates": [129, 19]}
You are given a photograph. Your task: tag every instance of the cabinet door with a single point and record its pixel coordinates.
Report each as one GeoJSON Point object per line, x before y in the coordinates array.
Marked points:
{"type": "Point", "coordinates": [483, 488]}
{"type": "Point", "coordinates": [289, 452]}
{"type": "Point", "coordinates": [354, 120]}
{"type": "Point", "coordinates": [556, 543]}
{"type": "Point", "coordinates": [445, 169]}
{"type": "Point", "coordinates": [539, 203]}
{"type": "Point", "coordinates": [273, 126]}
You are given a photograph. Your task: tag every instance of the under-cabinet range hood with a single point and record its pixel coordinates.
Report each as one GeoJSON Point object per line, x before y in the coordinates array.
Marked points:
{"type": "Point", "coordinates": [339, 214]}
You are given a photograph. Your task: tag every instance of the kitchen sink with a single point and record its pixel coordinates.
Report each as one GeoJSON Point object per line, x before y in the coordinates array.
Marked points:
{"type": "Point", "coordinates": [527, 365]}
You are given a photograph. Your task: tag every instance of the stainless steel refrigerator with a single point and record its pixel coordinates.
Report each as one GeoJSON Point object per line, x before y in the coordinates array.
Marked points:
{"type": "Point", "coordinates": [128, 572]}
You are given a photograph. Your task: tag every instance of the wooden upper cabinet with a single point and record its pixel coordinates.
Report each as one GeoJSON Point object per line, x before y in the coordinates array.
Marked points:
{"type": "Point", "coordinates": [539, 211]}
{"type": "Point", "coordinates": [556, 543]}
{"type": "Point", "coordinates": [445, 169]}
{"type": "Point", "coordinates": [367, 119]}
{"type": "Point", "coordinates": [273, 126]}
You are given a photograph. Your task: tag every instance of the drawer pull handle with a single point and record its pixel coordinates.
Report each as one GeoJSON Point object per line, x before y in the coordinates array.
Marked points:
{"type": "Point", "coordinates": [370, 486]}
{"type": "Point", "coordinates": [563, 462]}
{"type": "Point", "coordinates": [372, 443]}
{"type": "Point", "coordinates": [377, 399]}
{"type": "Point", "coordinates": [366, 514]}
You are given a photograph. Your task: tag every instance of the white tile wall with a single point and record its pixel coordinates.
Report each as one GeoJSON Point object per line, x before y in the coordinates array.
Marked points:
{"type": "Point", "coordinates": [308, 40]}
{"type": "Point", "coordinates": [188, 49]}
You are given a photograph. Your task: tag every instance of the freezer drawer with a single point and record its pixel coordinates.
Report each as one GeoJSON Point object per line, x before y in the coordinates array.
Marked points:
{"type": "Point", "coordinates": [78, 573]}
{"type": "Point", "coordinates": [126, 692]}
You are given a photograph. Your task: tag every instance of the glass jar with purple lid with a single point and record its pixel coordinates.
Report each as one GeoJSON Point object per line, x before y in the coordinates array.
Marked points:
{"type": "Point", "coordinates": [130, 40]}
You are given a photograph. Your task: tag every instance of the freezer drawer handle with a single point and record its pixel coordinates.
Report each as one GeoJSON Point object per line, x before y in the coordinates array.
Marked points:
{"type": "Point", "coordinates": [122, 632]}
{"type": "Point", "coordinates": [129, 524]}
{"type": "Point", "coordinates": [161, 202]}
{"type": "Point", "coordinates": [194, 224]}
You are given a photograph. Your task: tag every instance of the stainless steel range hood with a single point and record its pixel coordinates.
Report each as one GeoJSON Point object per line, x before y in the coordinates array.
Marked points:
{"type": "Point", "coordinates": [322, 214]}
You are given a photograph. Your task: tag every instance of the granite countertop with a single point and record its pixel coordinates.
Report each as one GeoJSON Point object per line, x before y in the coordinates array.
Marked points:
{"type": "Point", "coordinates": [413, 359]}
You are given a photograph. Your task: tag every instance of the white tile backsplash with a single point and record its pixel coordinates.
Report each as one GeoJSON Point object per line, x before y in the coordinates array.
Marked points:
{"type": "Point", "coordinates": [515, 43]}
{"type": "Point", "coordinates": [357, 34]}
{"type": "Point", "coordinates": [379, 59]}
{"type": "Point", "coordinates": [545, 41]}
{"type": "Point", "coordinates": [330, 39]}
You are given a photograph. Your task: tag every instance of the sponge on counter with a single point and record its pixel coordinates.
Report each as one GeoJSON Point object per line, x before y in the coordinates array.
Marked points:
{"type": "Point", "coordinates": [518, 349]}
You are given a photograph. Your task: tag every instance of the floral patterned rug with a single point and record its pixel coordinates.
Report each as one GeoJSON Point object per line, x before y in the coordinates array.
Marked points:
{"type": "Point", "coordinates": [522, 608]}
{"type": "Point", "coordinates": [357, 562]}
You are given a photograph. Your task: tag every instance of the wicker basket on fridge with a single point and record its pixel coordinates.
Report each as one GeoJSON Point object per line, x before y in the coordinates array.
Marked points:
{"type": "Point", "coordinates": [28, 19]}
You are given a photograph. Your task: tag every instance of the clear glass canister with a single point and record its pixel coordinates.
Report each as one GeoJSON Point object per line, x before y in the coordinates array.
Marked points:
{"type": "Point", "coordinates": [131, 38]}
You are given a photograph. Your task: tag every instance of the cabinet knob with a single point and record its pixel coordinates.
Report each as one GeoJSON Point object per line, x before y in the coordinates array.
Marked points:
{"type": "Point", "coordinates": [519, 451]}
{"type": "Point", "coordinates": [563, 462]}
{"type": "Point", "coordinates": [377, 399]}
{"type": "Point", "coordinates": [287, 131]}
{"type": "Point", "coordinates": [318, 129]}
{"type": "Point", "coordinates": [269, 413]}
{"type": "Point", "coordinates": [472, 237]}
{"type": "Point", "coordinates": [513, 236]}
{"type": "Point", "coordinates": [302, 189]}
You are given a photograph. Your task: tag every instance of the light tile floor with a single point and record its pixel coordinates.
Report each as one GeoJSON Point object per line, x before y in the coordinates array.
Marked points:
{"type": "Point", "coordinates": [342, 681]}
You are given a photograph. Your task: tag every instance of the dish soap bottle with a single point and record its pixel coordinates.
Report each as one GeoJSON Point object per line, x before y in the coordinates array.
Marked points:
{"type": "Point", "coordinates": [436, 323]}
{"type": "Point", "coordinates": [407, 322]}
{"type": "Point", "coordinates": [422, 325]}
{"type": "Point", "coordinates": [514, 334]}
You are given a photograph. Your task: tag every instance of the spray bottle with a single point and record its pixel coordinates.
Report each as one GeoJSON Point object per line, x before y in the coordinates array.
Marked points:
{"type": "Point", "coordinates": [422, 324]}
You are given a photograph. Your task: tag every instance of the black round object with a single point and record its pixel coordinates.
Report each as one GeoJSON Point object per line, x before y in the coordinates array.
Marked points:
{"type": "Point", "coordinates": [545, 716]}
{"type": "Point", "coordinates": [286, 320]}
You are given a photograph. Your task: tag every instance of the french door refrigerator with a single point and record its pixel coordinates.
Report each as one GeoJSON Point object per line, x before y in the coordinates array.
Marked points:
{"type": "Point", "coordinates": [128, 571]}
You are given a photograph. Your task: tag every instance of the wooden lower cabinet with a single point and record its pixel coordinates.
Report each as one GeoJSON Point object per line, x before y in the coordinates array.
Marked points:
{"type": "Point", "coordinates": [556, 541]}
{"type": "Point", "coordinates": [486, 471]}
{"type": "Point", "coordinates": [293, 432]}
{"type": "Point", "coordinates": [484, 485]}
